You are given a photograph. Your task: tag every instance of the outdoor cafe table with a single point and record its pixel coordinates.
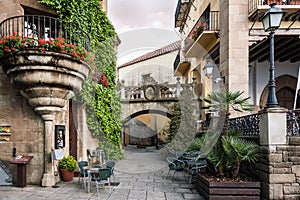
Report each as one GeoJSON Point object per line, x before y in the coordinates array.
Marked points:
{"type": "Point", "coordinates": [91, 168]}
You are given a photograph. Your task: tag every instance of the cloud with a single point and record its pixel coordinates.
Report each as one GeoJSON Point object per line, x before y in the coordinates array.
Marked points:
{"type": "Point", "coordinates": [132, 14]}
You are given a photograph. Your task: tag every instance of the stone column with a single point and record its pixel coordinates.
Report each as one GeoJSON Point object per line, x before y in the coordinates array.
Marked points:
{"type": "Point", "coordinates": [123, 94]}
{"type": "Point", "coordinates": [273, 127]}
{"type": "Point", "coordinates": [48, 117]}
{"type": "Point", "coordinates": [272, 163]}
{"type": "Point", "coordinates": [48, 176]}
{"type": "Point", "coordinates": [234, 44]}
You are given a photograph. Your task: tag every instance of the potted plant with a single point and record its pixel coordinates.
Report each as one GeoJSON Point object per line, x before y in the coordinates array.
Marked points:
{"type": "Point", "coordinates": [67, 166]}
{"type": "Point", "coordinates": [228, 153]}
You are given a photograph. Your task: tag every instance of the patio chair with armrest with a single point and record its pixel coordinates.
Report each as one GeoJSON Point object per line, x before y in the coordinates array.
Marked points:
{"type": "Point", "coordinates": [101, 178]}
{"type": "Point", "coordinates": [91, 156]}
{"type": "Point", "coordinates": [174, 165]}
{"type": "Point", "coordinates": [83, 173]}
{"type": "Point", "coordinates": [192, 167]}
{"type": "Point", "coordinates": [111, 165]}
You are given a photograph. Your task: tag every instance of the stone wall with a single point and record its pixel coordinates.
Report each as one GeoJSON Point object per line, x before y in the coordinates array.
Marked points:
{"type": "Point", "coordinates": [278, 167]}
{"type": "Point", "coordinates": [283, 165]}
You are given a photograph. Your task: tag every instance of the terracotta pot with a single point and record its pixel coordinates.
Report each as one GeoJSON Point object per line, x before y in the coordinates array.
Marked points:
{"type": "Point", "coordinates": [66, 175]}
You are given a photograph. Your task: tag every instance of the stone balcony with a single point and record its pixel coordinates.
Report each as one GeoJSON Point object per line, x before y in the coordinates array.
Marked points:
{"type": "Point", "coordinates": [48, 77]}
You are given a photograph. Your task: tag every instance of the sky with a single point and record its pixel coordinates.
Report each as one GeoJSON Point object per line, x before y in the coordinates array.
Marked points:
{"type": "Point", "coordinates": [142, 26]}
{"type": "Point", "coordinates": [128, 15]}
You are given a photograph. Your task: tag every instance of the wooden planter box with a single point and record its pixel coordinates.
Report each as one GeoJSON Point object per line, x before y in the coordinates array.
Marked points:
{"type": "Point", "coordinates": [227, 190]}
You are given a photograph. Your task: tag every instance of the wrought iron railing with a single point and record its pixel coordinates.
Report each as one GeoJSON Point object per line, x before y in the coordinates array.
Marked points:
{"type": "Point", "coordinates": [248, 124]}
{"type": "Point", "coordinates": [45, 27]}
{"type": "Point", "coordinates": [176, 62]}
{"type": "Point", "coordinates": [293, 122]}
{"type": "Point", "coordinates": [181, 10]}
{"type": "Point", "coordinates": [180, 58]}
{"type": "Point", "coordinates": [212, 23]}
{"type": "Point", "coordinates": [253, 4]}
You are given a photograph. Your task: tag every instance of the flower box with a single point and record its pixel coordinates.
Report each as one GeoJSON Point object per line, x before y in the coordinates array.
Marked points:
{"type": "Point", "coordinates": [227, 190]}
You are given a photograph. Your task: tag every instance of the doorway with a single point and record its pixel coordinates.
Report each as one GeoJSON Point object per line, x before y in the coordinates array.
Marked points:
{"type": "Point", "coordinates": [72, 132]}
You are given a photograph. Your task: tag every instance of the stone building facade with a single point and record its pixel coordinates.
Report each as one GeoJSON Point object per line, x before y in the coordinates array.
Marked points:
{"type": "Point", "coordinates": [31, 132]}
{"type": "Point", "coordinates": [230, 35]}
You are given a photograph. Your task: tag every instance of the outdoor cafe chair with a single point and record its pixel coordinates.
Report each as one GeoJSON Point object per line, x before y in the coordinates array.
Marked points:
{"type": "Point", "coordinates": [101, 177]}
{"type": "Point", "coordinates": [111, 165]}
{"type": "Point", "coordinates": [192, 167]}
{"type": "Point", "coordinates": [174, 165]}
{"type": "Point", "coordinates": [91, 156]}
{"type": "Point", "coordinates": [83, 173]}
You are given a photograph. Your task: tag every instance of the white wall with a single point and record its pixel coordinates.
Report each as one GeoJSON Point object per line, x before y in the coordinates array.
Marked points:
{"type": "Point", "coordinates": [161, 69]}
{"type": "Point", "coordinates": [261, 72]}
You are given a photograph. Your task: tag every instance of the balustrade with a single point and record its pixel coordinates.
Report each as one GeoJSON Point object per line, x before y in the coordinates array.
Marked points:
{"type": "Point", "coordinates": [253, 4]}
{"type": "Point", "coordinates": [248, 124]}
{"type": "Point", "coordinates": [161, 92]}
{"type": "Point", "coordinates": [292, 122]}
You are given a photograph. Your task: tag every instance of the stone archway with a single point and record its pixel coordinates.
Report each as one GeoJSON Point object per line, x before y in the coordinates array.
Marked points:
{"type": "Point", "coordinates": [284, 82]}
{"type": "Point", "coordinates": [145, 128]}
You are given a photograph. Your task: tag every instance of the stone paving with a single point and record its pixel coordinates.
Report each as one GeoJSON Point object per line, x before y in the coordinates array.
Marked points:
{"type": "Point", "coordinates": [142, 175]}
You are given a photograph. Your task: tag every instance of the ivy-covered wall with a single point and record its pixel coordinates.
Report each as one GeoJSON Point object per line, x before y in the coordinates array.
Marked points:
{"type": "Point", "coordinates": [101, 101]}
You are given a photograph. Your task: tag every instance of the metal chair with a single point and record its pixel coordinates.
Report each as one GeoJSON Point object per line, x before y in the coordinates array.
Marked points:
{"type": "Point", "coordinates": [101, 178]}
{"type": "Point", "coordinates": [195, 166]}
{"type": "Point", "coordinates": [91, 156]}
{"type": "Point", "coordinates": [110, 165]}
{"type": "Point", "coordinates": [174, 165]}
{"type": "Point", "coordinates": [83, 173]}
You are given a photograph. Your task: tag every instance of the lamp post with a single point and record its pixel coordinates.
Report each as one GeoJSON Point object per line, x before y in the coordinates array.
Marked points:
{"type": "Point", "coordinates": [208, 69]}
{"type": "Point", "coordinates": [271, 21]}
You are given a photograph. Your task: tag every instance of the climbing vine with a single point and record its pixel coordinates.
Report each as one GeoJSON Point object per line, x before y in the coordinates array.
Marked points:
{"type": "Point", "coordinates": [101, 102]}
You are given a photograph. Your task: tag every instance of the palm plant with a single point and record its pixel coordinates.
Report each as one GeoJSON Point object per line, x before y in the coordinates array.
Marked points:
{"type": "Point", "coordinates": [233, 151]}
{"type": "Point", "coordinates": [223, 101]}
{"type": "Point", "coordinates": [230, 150]}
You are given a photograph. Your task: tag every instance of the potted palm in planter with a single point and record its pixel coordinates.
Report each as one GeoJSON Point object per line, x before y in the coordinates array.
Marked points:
{"type": "Point", "coordinates": [228, 154]}
{"type": "Point", "coordinates": [67, 166]}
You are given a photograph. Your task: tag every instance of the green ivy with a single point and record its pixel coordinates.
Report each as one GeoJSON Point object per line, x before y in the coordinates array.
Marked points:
{"type": "Point", "coordinates": [102, 104]}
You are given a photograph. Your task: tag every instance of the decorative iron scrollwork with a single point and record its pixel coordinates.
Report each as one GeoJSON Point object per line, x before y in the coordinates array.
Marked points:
{"type": "Point", "coordinates": [292, 122]}
{"type": "Point", "coordinates": [248, 124]}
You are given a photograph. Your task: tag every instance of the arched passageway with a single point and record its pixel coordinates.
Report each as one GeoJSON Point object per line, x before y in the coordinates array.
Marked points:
{"type": "Point", "coordinates": [146, 128]}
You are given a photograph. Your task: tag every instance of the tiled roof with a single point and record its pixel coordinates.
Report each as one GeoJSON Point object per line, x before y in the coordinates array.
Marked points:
{"type": "Point", "coordinates": [164, 50]}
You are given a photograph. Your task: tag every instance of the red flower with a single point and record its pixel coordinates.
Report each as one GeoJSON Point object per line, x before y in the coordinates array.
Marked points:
{"type": "Point", "coordinates": [42, 42]}
{"type": "Point", "coordinates": [103, 80]}
{"type": "Point", "coordinates": [14, 43]}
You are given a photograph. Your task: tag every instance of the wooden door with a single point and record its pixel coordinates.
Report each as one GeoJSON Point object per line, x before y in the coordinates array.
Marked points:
{"type": "Point", "coordinates": [72, 132]}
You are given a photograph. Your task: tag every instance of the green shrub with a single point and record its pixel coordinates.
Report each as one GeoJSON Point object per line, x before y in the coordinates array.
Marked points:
{"type": "Point", "coordinates": [196, 144]}
{"type": "Point", "coordinates": [68, 163]}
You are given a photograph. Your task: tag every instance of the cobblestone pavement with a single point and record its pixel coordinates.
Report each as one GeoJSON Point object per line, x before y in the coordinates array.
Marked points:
{"type": "Point", "coordinates": [142, 175]}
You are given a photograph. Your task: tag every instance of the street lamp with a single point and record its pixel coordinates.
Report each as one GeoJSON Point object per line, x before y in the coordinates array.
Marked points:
{"type": "Point", "coordinates": [208, 69]}
{"type": "Point", "coordinates": [271, 21]}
